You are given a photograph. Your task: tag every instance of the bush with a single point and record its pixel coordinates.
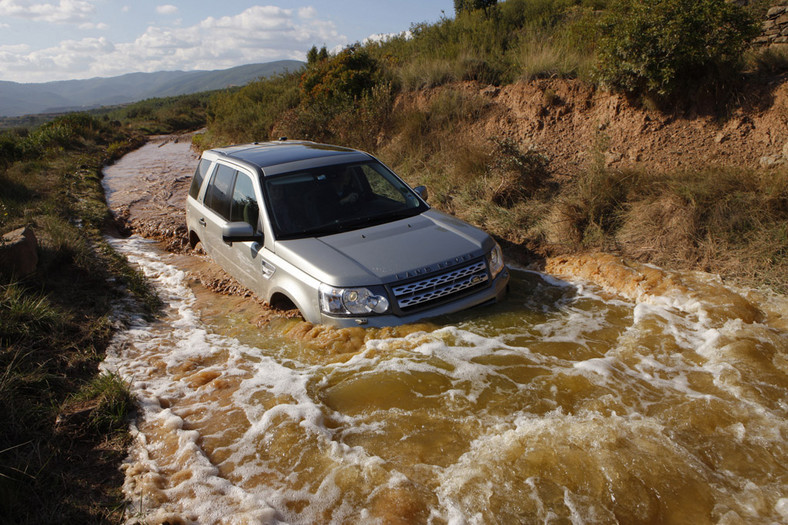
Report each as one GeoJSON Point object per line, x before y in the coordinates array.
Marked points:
{"type": "Point", "coordinates": [514, 175]}
{"type": "Point", "coordinates": [346, 76]}
{"type": "Point", "coordinates": [662, 46]}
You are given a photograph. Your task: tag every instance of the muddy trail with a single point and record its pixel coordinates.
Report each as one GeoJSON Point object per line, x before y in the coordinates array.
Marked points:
{"type": "Point", "coordinates": [599, 391]}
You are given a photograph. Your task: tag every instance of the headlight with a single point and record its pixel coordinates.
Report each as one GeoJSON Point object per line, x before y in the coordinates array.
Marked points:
{"type": "Point", "coordinates": [353, 301]}
{"type": "Point", "coordinates": [496, 260]}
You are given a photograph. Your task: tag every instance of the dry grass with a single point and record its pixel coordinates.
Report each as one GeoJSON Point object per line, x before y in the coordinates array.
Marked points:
{"type": "Point", "coordinates": [546, 56]}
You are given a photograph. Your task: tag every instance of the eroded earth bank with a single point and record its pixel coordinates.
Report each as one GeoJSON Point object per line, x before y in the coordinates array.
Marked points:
{"type": "Point", "coordinates": [600, 391]}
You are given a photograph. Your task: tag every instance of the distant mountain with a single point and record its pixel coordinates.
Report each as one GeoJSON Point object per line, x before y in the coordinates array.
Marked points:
{"type": "Point", "coordinates": [72, 95]}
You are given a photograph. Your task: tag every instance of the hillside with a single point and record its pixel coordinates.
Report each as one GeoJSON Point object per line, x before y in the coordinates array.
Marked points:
{"type": "Point", "coordinates": [18, 99]}
{"type": "Point", "coordinates": [575, 124]}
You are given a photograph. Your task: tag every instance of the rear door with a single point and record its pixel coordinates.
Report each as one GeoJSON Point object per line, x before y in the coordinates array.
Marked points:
{"type": "Point", "coordinates": [217, 201]}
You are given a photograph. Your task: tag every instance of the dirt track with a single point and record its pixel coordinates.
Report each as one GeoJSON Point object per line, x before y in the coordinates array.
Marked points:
{"type": "Point", "coordinates": [149, 199]}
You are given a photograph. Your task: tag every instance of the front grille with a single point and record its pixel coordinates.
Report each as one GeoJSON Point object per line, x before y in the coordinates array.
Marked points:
{"type": "Point", "coordinates": [442, 287]}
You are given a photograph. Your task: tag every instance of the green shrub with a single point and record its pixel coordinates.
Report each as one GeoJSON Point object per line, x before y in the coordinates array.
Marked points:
{"type": "Point", "coordinates": [346, 76]}
{"type": "Point", "coordinates": [11, 148]}
{"type": "Point", "coordinates": [662, 46]}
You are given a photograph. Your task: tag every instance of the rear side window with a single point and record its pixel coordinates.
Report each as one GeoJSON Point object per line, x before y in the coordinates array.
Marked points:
{"type": "Point", "coordinates": [199, 176]}
{"type": "Point", "coordinates": [219, 192]}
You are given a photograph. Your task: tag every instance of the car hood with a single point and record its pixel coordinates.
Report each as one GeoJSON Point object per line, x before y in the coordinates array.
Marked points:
{"type": "Point", "coordinates": [387, 252]}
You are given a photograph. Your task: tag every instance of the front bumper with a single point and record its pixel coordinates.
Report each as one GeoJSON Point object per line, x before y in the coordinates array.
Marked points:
{"type": "Point", "coordinates": [493, 293]}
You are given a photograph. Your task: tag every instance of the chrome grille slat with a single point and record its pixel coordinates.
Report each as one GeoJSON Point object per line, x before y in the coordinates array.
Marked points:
{"type": "Point", "coordinates": [439, 286]}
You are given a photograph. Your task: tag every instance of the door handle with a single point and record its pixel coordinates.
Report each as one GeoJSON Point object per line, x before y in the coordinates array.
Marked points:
{"type": "Point", "coordinates": [202, 221]}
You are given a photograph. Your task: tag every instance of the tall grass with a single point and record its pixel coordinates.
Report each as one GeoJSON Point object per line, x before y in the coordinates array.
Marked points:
{"type": "Point", "coordinates": [515, 39]}
{"type": "Point", "coordinates": [730, 221]}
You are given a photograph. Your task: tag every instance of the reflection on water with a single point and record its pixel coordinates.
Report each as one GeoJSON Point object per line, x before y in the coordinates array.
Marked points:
{"type": "Point", "coordinates": [568, 403]}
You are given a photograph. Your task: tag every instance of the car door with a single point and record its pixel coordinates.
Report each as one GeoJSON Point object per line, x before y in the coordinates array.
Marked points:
{"type": "Point", "coordinates": [247, 256]}
{"type": "Point", "coordinates": [217, 213]}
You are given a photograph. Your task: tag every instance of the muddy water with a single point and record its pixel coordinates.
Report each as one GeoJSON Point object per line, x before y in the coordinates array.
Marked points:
{"type": "Point", "coordinates": [614, 393]}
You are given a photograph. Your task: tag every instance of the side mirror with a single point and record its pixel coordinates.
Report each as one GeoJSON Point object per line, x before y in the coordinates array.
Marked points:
{"type": "Point", "coordinates": [240, 231]}
{"type": "Point", "coordinates": [421, 191]}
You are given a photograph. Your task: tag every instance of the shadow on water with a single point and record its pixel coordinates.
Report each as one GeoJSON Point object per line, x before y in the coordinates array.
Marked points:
{"type": "Point", "coordinates": [531, 298]}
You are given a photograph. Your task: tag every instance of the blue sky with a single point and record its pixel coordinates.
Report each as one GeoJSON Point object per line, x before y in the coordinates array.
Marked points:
{"type": "Point", "coordinates": [49, 40]}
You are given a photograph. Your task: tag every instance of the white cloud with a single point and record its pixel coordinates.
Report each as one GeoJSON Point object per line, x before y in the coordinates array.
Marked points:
{"type": "Point", "coordinates": [258, 34]}
{"type": "Point", "coordinates": [167, 9]}
{"type": "Point", "coordinates": [64, 12]}
{"type": "Point", "coordinates": [88, 26]}
{"type": "Point", "coordinates": [307, 12]}
{"type": "Point", "coordinates": [385, 37]}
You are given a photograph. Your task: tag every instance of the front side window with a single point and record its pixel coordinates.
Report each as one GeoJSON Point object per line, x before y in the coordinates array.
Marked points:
{"type": "Point", "coordinates": [331, 199]}
{"type": "Point", "coordinates": [244, 203]}
{"type": "Point", "coordinates": [218, 194]}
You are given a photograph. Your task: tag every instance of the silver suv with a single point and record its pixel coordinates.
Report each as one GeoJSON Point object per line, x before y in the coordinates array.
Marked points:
{"type": "Point", "coordinates": [338, 235]}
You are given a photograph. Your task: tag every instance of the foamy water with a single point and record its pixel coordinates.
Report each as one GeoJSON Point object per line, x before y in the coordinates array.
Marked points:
{"type": "Point", "coordinates": [570, 402]}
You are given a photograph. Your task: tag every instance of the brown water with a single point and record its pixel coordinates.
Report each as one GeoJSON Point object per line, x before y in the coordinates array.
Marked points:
{"type": "Point", "coordinates": [647, 397]}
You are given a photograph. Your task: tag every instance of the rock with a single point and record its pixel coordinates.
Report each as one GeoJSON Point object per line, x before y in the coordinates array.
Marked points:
{"type": "Point", "coordinates": [775, 11]}
{"type": "Point", "coordinates": [611, 157]}
{"type": "Point", "coordinates": [19, 253]}
{"type": "Point", "coordinates": [781, 40]}
{"type": "Point", "coordinates": [782, 19]}
{"type": "Point", "coordinates": [770, 161]}
{"type": "Point", "coordinates": [490, 91]}
{"type": "Point", "coordinates": [785, 150]}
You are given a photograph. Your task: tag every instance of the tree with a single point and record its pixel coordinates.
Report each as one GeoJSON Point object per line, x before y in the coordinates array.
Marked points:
{"type": "Point", "coordinates": [311, 55]}
{"type": "Point", "coordinates": [461, 6]}
{"type": "Point", "coordinates": [661, 46]}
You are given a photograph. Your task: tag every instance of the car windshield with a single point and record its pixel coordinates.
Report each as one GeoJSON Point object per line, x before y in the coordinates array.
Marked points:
{"type": "Point", "coordinates": [333, 199]}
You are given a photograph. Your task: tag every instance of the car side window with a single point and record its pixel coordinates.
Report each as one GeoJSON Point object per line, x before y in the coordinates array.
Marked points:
{"type": "Point", "coordinates": [199, 176]}
{"type": "Point", "coordinates": [218, 194]}
{"type": "Point", "coordinates": [244, 205]}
